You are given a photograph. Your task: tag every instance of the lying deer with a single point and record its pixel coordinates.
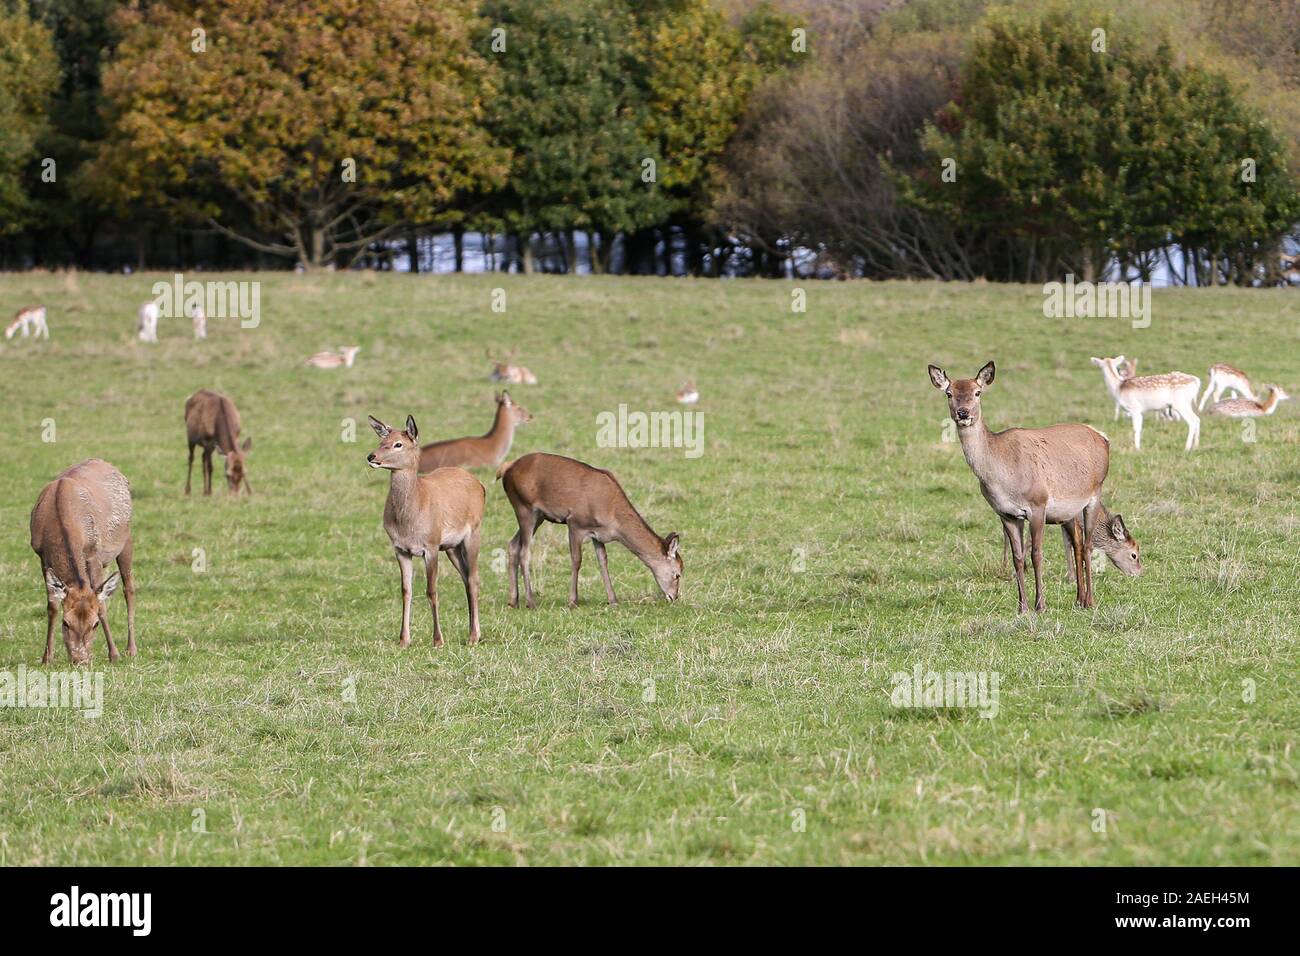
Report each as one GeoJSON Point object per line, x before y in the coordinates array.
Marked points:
{"type": "Point", "coordinates": [1249, 408]}
{"type": "Point", "coordinates": [1225, 378]}
{"type": "Point", "coordinates": [211, 420]}
{"type": "Point", "coordinates": [688, 394]}
{"type": "Point", "coordinates": [425, 514]}
{"type": "Point", "coordinates": [1046, 475]}
{"type": "Point", "coordinates": [32, 322]}
{"type": "Point", "coordinates": [80, 525]}
{"type": "Point", "coordinates": [1154, 393]}
{"type": "Point", "coordinates": [486, 451]}
{"type": "Point", "coordinates": [147, 326]}
{"type": "Point", "coordinates": [512, 374]}
{"type": "Point", "coordinates": [340, 359]}
{"type": "Point", "coordinates": [593, 504]}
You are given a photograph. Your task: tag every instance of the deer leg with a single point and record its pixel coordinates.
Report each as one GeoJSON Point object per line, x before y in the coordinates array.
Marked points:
{"type": "Point", "coordinates": [51, 612]}
{"type": "Point", "coordinates": [431, 588]}
{"type": "Point", "coordinates": [512, 569]}
{"type": "Point", "coordinates": [1011, 530]}
{"type": "Point", "coordinates": [128, 589]}
{"type": "Point", "coordinates": [1193, 427]}
{"type": "Point", "coordinates": [469, 571]}
{"type": "Point", "coordinates": [1037, 520]}
{"type": "Point", "coordinates": [603, 560]}
{"type": "Point", "coordinates": [575, 559]}
{"type": "Point", "coordinates": [1075, 554]}
{"type": "Point", "coordinates": [207, 471]}
{"type": "Point", "coordinates": [1137, 430]}
{"type": "Point", "coordinates": [525, 557]}
{"type": "Point", "coordinates": [190, 471]}
{"type": "Point", "coordinates": [1085, 568]}
{"type": "Point", "coordinates": [1068, 537]}
{"type": "Point", "coordinates": [113, 655]}
{"type": "Point", "coordinates": [404, 563]}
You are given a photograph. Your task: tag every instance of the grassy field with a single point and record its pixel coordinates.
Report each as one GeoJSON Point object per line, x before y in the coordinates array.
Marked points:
{"type": "Point", "coordinates": [831, 538]}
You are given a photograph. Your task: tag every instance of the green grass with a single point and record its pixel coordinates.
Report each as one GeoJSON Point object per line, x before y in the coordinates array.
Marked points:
{"type": "Point", "coordinates": [770, 685]}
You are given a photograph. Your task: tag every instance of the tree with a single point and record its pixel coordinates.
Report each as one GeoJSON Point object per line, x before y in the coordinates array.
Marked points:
{"type": "Point", "coordinates": [28, 77]}
{"type": "Point", "coordinates": [302, 128]}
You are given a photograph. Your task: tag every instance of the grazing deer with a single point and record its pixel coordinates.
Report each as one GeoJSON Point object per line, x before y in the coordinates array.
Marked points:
{"type": "Point", "coordinates": [426, 514]}
{"type": "Point", "coordinates": [688, 394]}
{"type": "Point", "coordinates": [200, 320]}
{"type": "Point", "coordinates": [1046, 475]}
{"type": "Point", "coordinates": [485, 451]}
{"type": "Point", "coordinates": [1225, 378]}
{"type": "Point", "coordinates": [1247, 408]}
{"type": "Point", "coordinates": [1174, 391]}
{"type": "Point", "coordinates": [593, 504]}
{"type": "Point", "coordinates": [1110, 536]}
{"type": "Point", "coordinates": [340, 359]}
{"type": "Point", "coordinates": [211, 420]}
{"type": "Point", "coordinates": [32, 322]}
{"type": "Point", "coordinates": [147, 325]}
{"type": "Point", "coordinates": [82, 523]}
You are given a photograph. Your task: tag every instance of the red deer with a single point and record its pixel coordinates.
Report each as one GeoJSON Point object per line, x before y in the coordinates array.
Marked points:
{"type": "Point", "coordinates": [593, 504]}
{"type": "Point", "coordinates": [82, 523]}
{"type": "Point", "coordinates": [426, 514]}
{"type": "Point", "coordinates": [1110, 536]}
{"type": "Point", "coordinates": [486, 451]}
{"type": "Point", "coordinates": [211, 420]}
{"type": "Point", "coordinates": [1043, 475]}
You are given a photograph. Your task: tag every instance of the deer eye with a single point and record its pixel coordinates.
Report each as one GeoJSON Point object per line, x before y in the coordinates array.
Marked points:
{"type": "Point", "coordinates": [397, 444]}
{"type": "Point", "coordinates": [977, 393]}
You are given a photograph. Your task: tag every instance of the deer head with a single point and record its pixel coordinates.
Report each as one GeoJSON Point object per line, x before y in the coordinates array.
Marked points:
{"type": "Point", "coordinates": [398, 450]}
{"type": "Point", "coordinates": [236, 461]}
{"type": "Point", "coordinates": [667, 569]}
{"type": "Point", "coordinates": [518, 415]}
{"type": "Point", "coordinates": [83, 609]}
{"type": "Point", "coordinates": [964, 393]}
{"type": "Point", "coordinates": [1121, 547]}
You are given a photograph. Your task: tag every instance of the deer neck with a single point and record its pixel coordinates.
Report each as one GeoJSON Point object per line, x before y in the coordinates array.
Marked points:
{"type": "Point", "coordinates": [502, 432]}
{"type": "Point", "coordinates": [1269, 403]}
{"type": "Point", "coordinates": [637, 536]}
{"type": "Point", "coordinates": [404, 493]}
{"type": "Point", "coordinates": [977, 446]}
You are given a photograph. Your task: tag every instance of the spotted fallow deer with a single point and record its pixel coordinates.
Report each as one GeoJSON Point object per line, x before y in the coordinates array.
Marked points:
{"type": "Point", "coordinates": [1041, 475]}
{"type": "Point", "coordinates": [1246, 408]}
{"type": "Point", "coordinates": [593, 504]}
{"type": "Point", "coordinates": [32, 322]}
{"type": "Point", "coordinates": [484, 451]}
{"type": "Point", "coordinates": [1172, 391]}
{"type": "Point", "coordinates": [1225, 378]}
{"type": "Point", "coordinates": [212, 421]}
{"type": "Point", "coordinates": [340, 359]}
{"type": "Point", "coordinates": [82, 523]}
{"type": "Point", "coordinates": [426, 514]}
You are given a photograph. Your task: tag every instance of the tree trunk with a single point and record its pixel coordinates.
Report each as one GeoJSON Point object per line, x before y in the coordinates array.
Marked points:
{"type": "Point", "coordinates": [524, 249]}
{"type": "Point", "coordinates": [413, 250]}
{"type": "Point", "coordinates": [458, 244]}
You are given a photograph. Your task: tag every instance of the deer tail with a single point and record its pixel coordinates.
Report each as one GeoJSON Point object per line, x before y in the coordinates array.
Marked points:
{"type": "Point", "coordinates": [505, 466]}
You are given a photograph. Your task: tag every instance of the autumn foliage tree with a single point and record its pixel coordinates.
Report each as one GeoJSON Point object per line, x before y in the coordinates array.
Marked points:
{"type": "Point", "coordinates": [304, 128]}
{"type": "Point", "coordinates": [28, 77]}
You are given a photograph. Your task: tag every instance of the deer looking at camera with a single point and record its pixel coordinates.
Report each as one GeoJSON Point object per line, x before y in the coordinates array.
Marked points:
{"type": "Point", "coordinates": [212, 421]}
{"type": "Point", "coordinates": [426, 514]}
{"type": "Point", "coordinates": [82, 523]}
{"type": "Point", "coordinates": [593, 504]}
{"type": "Point", "coordinates": [485, 451]}
{"type": "Point", "coordinates": [1043, 475]}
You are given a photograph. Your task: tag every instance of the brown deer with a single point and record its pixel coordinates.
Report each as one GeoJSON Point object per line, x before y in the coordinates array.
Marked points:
{"type": "Point", "coordinates": [1110, 536]}
{"type": "Point", "coordinates": [426, 514]}
{"type": "Point", "coordinates": [82, 523]}
{"type": "Point", "coordinates": [593, 504]}
{"type": "Point", "coordinates": [485, 451]}
{"type": "Point", "coordinates": [211, 420]}
{"type": "Point", "coordinates": [1043, 475]}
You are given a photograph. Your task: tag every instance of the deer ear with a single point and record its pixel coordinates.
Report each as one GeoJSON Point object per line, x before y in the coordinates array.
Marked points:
{"type": "Point", "coordinates": [56, 588]}
{"type": "Point", "coordinates": [939, 377]}
{"type": "Point", "coordinates": [1118, 531]}
{"type": "Point", "coordinates": [382, 430]}
{"type": "Point", "coordinates": [411, 429]}
{"type": "Point", "coordinates": [985, 375]}
{"type": "Point", "coordinates": [108, 587]}
{"type": "Point", "coordinates": [672, 541]}
{"type": "Point", "coordinates": [248, 443]}
{"type": "Point", "coordinates": [505, 398]}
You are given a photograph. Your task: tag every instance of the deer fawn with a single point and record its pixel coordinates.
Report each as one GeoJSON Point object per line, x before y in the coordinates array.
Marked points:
{"type": "Point", "coordinates": [340, 359]}
{"type": "Point", "coordinates": [1154, 393]}
{"type": "Point", "coordinates": [1046, 475]}
{"type": "Point", "coordinates": [425, 514]}
{"type": "Point", "coordinates": [147, 326]}
{"type": "Point", "coordinates": [1225, 378]}
{"type": "Point", "coordinates": [486, 451]}
{"type": "Point", "coordinates": [32, 322]}
{"type": "Point", "coordinates": [211, 420]}
{"type": "Point", "coordinates": [80, 525]}
{"type": "Point", "coordinates": [1250, 408]}
{"type": "Point", "coordinates": [593, 504]}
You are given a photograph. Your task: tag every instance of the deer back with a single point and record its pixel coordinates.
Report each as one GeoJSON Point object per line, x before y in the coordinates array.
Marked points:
{"type": "Point", "coordinates": [82, 520]}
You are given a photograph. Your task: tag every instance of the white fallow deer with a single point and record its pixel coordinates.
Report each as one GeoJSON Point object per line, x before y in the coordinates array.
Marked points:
{"type": "Point", "coordinates": [81, 524]}
{"type": "Point", "coordinates": [340, 359]}
{"type": "Point", "coordinates": [1172, 394]}
{"type": "Point", "coordinates": [1225, 378]}
{"type": "Point", "coordinates": [688, 394]}
{"type": "Point", "coordinates": [31, 321]}
{"type": "Point", "coordinates": [147, 322]}
{"type": "Point", "coordinates": [200, 320]}
{"type": "Point", "coordinates": [428, 514]}
{"type": "Point", "coordinates": [1247, 408]}
{"type": "Point", "coordinates": [1044, 476]}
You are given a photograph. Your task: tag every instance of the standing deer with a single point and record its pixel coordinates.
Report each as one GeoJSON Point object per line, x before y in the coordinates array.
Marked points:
{"type": "Point", "coordinates": [1248, 408]}
{"type": "Point", "coordinates": [426, 514]}
{"type": "Point", "coordinates": [1046, 475]}
{"type": "Point", "coordinates": [1126, 371]}
{"type": "Point", "coordinates": [147, 325]}
{"type": "Point", "coordinates": [593, 504]}
{"type": "Point", "coordinates": [211, 420]}
{"type": "Point", "coordinates": [340, 359]}
{"type": "Point", "coordinates": [1225, 378]}
{"type": "Point", "coordinates": [1110, 536]}
{"type": "Point", "coordinates": [1154, 393]}
{"type": "Point", "coordinates": [200, 320]}
{"type": "Point", "coordinates": [82, 523]}
{"type": "Point", "coordinates": [32, 322]}
{"type": "Point", "coordinates": [485, 451]}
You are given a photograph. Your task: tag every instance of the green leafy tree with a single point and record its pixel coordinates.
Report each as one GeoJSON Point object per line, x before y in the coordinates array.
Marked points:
{"type": "Point", "coordinates": [29, 74]}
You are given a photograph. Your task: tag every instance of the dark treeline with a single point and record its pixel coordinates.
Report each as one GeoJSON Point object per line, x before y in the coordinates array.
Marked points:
{"type": "Point", "coordinates": [831, 138]}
